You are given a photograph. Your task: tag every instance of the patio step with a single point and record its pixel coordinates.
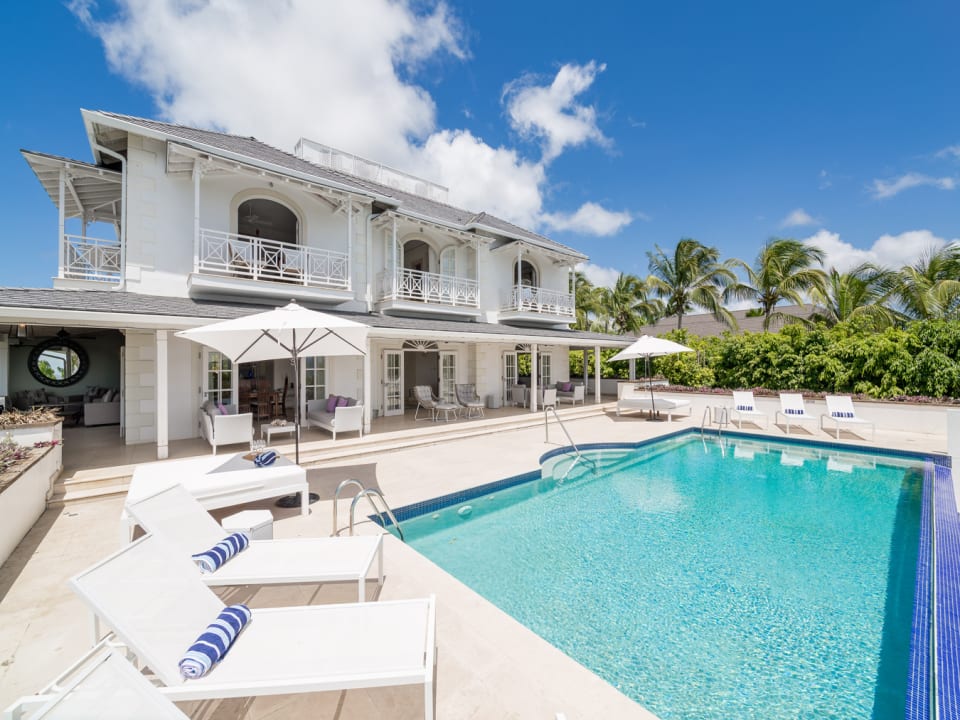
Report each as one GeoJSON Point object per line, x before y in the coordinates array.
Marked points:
{"type": "Point", "coordinates": [90, 485]}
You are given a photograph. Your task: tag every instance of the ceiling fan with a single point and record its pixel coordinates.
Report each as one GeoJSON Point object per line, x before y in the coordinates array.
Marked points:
{"type": "Point", "coordinates": [251, 218]}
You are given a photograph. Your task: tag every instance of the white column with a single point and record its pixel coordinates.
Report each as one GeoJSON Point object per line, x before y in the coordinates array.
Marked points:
{"type": "Point", "coordinates": [396, 254]}
{"type": "Point", "coordinates": [533, 377]}
{"type": "Point", "coordinates": [596, 374]}
{"type": "Point", "coordinates": [61, 217]}
{"type": "Point", "coordinates": [196, 215]}
{"type": "Point", "coordinates": [367, 390]}
{"type": "Point", "coordinates": [4, 366]}
{"type": "Point", "coordinates": [633, 368]}
{"type": "Point", "coordinates": [586, 370]}
{"type": "Point", "coordinates": [516, 278]}
{"type": "Point", "coordinates": [350, 242]}
{"type": "Point", "coordinates": [163, 410]}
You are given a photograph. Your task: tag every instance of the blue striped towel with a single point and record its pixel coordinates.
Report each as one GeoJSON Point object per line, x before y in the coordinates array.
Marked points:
{"type": "Point", "coordinates": [214, 642]}
{"type": "Point", "coordinates": [793, 411]}
{"type": "Point", "coordinates": [267, 457]}
{"type": "Point", "coordinates": [745, 408]}
{"type": "Point", "coordinates": [216, 556]}
{"type": "Point", "coordinates": [842, 414]}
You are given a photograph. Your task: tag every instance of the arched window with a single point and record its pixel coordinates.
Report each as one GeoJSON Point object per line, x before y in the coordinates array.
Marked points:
{"type": "Point", "coordinates": [448, 262]}
{"type": "Point", "coordinates": [416, 255]}
{"type": "Point", "coordinates": [525, 274]}
{"type": "Point", "coordinates": [260, 217]}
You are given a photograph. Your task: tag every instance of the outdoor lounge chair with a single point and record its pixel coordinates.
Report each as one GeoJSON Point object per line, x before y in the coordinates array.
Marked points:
{"type": "Point", "coordinates": [840, 411]}
{"type": "Point", "coordinates": [425, 400]}
{"type": "Point", "coordinates": [467, 396]}
{"type": "Point", "coordinates": [792, 409]}
{"type": "Point", "coordinates": [745, 408]}
{"type": "Point", "coordinates": [152, 599]}
{"type": "Point", "coordinates": [179, 518]}
{"type": "Point", "coordinates": [102, 685]}
{"type": "Point", "coordinates": [630, 398]}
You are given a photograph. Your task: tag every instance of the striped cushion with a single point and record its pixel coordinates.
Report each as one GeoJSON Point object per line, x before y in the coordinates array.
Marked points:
{"type": "Point", "coordinates": [214, 641]}
{"type": "Point", "coordinates": [216, 556]}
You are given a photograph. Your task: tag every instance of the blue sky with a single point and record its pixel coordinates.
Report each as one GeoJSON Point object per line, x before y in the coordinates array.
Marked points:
{"type": "Point", "coordinates": [609, 127]}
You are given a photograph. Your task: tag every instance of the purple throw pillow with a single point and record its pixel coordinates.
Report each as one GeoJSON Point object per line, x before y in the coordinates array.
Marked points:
{"type": "Point", "coordinates": [341, 402]}
{"type": "Point", "coordinates": [221, 409]}
{"type": "Point", "coordinates": [331, 403]}
{"type": "Point", "coordinates": [567, 387]}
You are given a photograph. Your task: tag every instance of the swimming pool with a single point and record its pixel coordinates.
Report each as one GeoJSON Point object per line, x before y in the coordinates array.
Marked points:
{"type": "Point", "coordinates": [704, 579]}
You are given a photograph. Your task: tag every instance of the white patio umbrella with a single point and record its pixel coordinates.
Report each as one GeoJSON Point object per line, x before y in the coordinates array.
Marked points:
{"type": "Point", "coordinates": [646, 347]}
{"type": "Point", "coordinates": [291, 332]}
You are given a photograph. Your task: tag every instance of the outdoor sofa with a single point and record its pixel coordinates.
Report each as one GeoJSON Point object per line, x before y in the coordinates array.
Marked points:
{"type": "Point", "coordinates": [335, 414]}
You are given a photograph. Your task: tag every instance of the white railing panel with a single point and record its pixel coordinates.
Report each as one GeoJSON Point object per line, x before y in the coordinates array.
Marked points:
{"type": "Point", "coordinates": [88, 258]}
{"type": "Point", "coordinates": [257, 258]}
{"type": "Point", "coordinates": [526, 298]}
{"type": "Point", "coordinates": [428, 287]}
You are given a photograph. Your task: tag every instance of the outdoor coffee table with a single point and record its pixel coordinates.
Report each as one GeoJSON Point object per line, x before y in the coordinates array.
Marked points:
{"type": "Point", "coordinates": [268, 430]}
{"type": "Point", "coordinates": [216, 481]}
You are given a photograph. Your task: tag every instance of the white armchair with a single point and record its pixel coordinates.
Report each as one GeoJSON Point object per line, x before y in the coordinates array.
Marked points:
{"type": "Point", "coordinates": [226, 429]}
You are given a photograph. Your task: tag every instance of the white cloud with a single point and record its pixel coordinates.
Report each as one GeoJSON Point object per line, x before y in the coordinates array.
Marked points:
{"type": "Point", "coordinates": [344, 74]}
{"type": "Point", "coordinates": [888, 188]}
{"type": "Point", "coordinates": [949, 151]}
{"type": "Point", "coordinates": [551, 114]}
{"type": "Point", "coordinates": [590, 218]}
{"type": "Point", "coordinates": [825, 180]}
{"type": "Point", "coordinates": [599, 276]}
{"type": "Point", "coordinates": [892, 251]}
{"type": "Point", "coordinates": [798, 218]}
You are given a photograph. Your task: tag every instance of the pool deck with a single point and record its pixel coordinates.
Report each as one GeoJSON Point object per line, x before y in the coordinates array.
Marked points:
{"type": "Point", "coordinates": [489, 666]}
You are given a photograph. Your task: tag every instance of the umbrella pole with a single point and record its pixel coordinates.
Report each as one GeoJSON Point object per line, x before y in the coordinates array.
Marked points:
{"type": "Point", "coordinates": [292, 501]}
{"type": "Point", "coordinates": [653, 405]}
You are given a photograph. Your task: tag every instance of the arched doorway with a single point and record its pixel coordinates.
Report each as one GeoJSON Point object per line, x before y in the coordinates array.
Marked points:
{"type": "Point", "coordinates": [524, 273]}
{"type": "Point", "coordinates": [261, 217]}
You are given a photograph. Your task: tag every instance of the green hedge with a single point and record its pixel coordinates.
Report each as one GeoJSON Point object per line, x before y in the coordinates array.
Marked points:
{"type": "Point", "coordinates": [920, 360]}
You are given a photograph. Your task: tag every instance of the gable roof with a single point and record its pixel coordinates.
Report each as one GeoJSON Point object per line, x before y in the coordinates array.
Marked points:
{"type": "Point", "coordinates": [260, 152]}
{"type": "Point", "coordinates": [122, 309]}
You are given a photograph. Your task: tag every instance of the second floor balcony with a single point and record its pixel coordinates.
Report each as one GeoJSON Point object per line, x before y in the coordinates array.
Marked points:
{"type": "Point", "coordinates": [90, 258]}
{"type": "Point", "coordinates": [259, 265]}
{"type": "Point", "coordinates": [418, 291]}
{"type": "Point", "coordinates": [536, 304]}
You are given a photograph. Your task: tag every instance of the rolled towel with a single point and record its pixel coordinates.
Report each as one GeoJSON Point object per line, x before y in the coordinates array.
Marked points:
{"type": "Point", "coordinates": [216, 556]}
{"type": "Point", "coordinates": [214, 642]}
{"type": "Point", "coordinates": [267, 457]}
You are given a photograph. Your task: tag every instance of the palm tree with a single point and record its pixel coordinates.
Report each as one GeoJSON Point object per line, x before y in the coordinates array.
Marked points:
{"type": "Point", "coordinates": [692, 277]}
{"type": "Point", "coordinates": [785, 269]}
{"type": "Point", "coordinates": [626, 307]}
{"type": "Point", "coordinates": [586, 300]}
{"type": "Point", "coordinates": [930, 288]}
{"type": "Point", "coordinates": [862, 293]}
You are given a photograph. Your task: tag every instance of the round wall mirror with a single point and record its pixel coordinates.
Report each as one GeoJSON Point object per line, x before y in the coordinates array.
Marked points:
{"type": "Point", "coordinates": [58, 361]}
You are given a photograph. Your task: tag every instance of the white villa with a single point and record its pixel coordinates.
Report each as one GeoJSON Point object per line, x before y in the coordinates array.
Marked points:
{"type": "Point", "coordinates": [171, 227]}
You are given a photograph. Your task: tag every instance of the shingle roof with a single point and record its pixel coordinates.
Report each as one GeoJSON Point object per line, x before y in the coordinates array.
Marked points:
{"type": "Point", "coordinates": [62, 303]}
{"type": "Point", "coordinates": [261, 151]}
{"type": "Point", "coordinates": [704, 324]}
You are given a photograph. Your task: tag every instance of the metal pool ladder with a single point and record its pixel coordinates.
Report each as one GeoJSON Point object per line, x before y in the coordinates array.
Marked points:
{"type": "Point", "coordinates": [373, 496]}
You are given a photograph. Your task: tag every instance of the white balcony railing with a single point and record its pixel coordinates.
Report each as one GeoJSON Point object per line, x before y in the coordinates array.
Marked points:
{"type": "Point", "coordinates": [88, 258]}
{"type": "Point", "coordinates": [429, 287]}
{"type": "Point", "coordinates": [262, 259]}
{"type": "Point", "coordinates": [526, 298]}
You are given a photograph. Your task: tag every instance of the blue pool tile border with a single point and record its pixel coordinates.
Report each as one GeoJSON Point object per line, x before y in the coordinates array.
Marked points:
{"type": "Point", "coordinates": [939, 540]}
{"type": "Point", "coordinates": [946, 523]}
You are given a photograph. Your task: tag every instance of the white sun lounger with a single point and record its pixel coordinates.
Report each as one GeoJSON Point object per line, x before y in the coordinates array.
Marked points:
{"type": "Point", "coordinates": [840, 411]}
{"type": "Point", "coordinates": [630, 398]}
{"type": "Point", "coordinates": [792, 409]}
{"type": "Point", "coordinates": [102, 685]}
{"type": "Point", "coordinates": [179, 518]}
{"type": "Point", "coordinates": [152, 599]}
{"type": "Point", "coordinates": [217, 482]}
{"type": "Point", "coordinates": [745, 408]}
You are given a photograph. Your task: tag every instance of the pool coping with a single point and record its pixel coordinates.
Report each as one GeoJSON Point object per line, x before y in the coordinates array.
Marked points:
{"type": "Point", "coordinates": [935, 633]}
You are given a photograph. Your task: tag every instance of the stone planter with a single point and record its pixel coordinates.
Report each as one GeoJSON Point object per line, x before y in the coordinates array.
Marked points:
{"type": "Point", "coordinates": [24, 490]}
{"type": "Point", "coordinates": [28, 435]}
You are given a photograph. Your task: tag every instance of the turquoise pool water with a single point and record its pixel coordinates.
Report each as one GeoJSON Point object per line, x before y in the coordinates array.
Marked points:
{"type": "Point", "coordinates": [707, 581]}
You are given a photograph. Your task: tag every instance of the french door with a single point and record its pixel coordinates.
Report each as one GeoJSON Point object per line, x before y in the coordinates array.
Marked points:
{"type": "Point", "coordinates": [511, 375]}
{"type": "Point", "coordinates": [218, 380]}
{"type": "Point", "coordinates": [447, 385]}
{"type": "Point", "coordinates": [392, 382]}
